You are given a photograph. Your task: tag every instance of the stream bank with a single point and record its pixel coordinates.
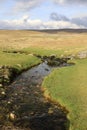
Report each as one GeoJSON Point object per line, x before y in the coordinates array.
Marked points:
{"type": "Point", "coordinates": [25, 106]}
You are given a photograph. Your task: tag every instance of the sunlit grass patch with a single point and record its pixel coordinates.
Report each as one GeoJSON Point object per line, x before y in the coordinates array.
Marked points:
{"type": "Point", "coordinates": [13, 59]}
{"type": "Point", "coordinates": [18, 60]}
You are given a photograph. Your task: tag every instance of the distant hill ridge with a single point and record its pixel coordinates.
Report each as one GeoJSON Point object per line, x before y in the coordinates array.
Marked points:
{"type": "Point", "coordinates": [63, 30]}
{"type": "Point", "coordinates": [52, 30]}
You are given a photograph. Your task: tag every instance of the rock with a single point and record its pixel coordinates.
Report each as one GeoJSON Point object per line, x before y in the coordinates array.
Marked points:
{"type": "Point", "coordinates": [72, 56]}
{"type": "Point", "coordinates": [50, 62]}
{"type": "Point", "coordinates": [6, 76]}
{"type": "Point", "coordinates": [0, 85]}
{"type": "Point", "coordinates": [3, 93]}
{"type": "Point", "coordinates": [9, 102]}
{"type": "Point", "coordinates": [53, 56]}
{"type": "Point", "coordinates": [46, 69]}
{"type": "Point", "coordinates": [45, 57]}
{"type": "Point", "coordinates": [82, 55]}
{"type": "Point", "coordinates": [53, 63]}
{"type": "Point", "coordinates": [12, 116]}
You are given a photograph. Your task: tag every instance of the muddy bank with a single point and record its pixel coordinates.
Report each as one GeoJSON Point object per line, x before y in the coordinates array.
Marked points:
{"type": "Point", "coordinates": [25, 107]}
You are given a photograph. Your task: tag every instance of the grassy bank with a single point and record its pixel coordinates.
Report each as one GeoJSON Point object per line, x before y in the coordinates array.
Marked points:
{"type": "Point", "coordinates": [13, 64]}
{"type": "Point", "coordinates": [68, 86]}
{"type": "Point", "coordinates": [21, 60]}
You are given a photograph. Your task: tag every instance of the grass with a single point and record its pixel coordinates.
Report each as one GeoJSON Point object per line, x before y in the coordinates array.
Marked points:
{"type": "Point", "coordinates": [19, 61]}
{"type": "Point", "coordinates": [43, 43]}
{"type": "Point", "coordinates": [12, 59]}
{"type": "Point", "coordinates": [68, 86]}
{"type": "Point", "coordinates": [26, 39]}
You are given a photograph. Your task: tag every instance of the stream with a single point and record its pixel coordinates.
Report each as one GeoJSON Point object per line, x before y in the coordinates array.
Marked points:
{"type": "Point", "coordinates": [28, 108]}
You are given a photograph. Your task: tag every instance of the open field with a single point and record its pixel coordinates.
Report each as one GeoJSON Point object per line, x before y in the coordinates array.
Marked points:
{"type": "Point", "coordinates": [66, 85]}
{"type": "Point", "coordinates": [58, 40]}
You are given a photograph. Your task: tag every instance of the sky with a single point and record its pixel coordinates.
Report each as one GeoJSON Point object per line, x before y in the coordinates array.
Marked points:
{"type": "Point", "coordinates": [43, 14]}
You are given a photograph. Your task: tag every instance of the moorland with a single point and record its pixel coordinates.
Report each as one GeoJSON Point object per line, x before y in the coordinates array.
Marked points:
{"type": "Point", "coordinates": [65, 85]}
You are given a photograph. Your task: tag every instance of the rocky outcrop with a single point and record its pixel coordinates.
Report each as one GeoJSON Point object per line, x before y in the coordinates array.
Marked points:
{"type": "Point", "coordinates": [82, 54]}
{"type": "Point", "coordinates": [53, 60]}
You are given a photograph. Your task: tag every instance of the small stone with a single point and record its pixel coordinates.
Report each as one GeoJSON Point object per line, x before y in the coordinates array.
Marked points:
{"type": "Point", "coordinates": [16, 94]}
{"type": "Point", "coordinates": [3, 93]}
{"type": "Point", "coordinates": [12, 116]}
{"type": "Point", "coordinates": [50, 111]}
{"type": "Point", "coordinates": [6, 77]}
{"type": "Point", "coordinates": [46, 69]}
{"type": "Point", "coordinates": [53, 56]}
{"type": "Point", "coordinates": [32, 113]}
{"type": "Point", "coordinates": [0, 85]}
{"type": "Point", "coordinates": [9, 102]}
{"type": "Point", "coordinates": [82, 55]}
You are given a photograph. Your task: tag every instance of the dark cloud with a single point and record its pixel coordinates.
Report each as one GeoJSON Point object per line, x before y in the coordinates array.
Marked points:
{"type": "Point", "coordinates": [57, 17]}
{"type": "Point", "coordinates": [80, 21]}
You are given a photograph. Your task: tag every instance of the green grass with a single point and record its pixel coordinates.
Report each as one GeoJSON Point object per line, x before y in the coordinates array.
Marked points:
{"type": "Point", "coordinates": [68, 86]}
{"type": "Point", "coordinates": [20, 61]}
{"type": "Point", "coordinates": [42, 51]}
{"type": "Point", "coordinates": [37, 50]}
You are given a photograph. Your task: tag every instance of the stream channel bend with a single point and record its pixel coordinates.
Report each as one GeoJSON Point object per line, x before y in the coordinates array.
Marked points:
{"type": "Point", "coordinates": [30, 109]}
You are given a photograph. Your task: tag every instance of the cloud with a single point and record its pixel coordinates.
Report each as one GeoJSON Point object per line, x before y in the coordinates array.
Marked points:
{"type": "Point", "coordinates": [25, 18]}
{"type": "Point", "coordinates": [80, 21]}
{"type": "Point", "coordinates": [60, 25]}
{"type": "Point", "coordinates": [26, 5]}
{"type": "Point", "coordinates": [26, 23]}
{"type": "Point", "coordinates": [83, 2]}
{"type": "Point", "coordinates": [57, 17]}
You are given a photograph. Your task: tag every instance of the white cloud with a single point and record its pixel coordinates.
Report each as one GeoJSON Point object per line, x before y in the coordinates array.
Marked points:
{"type": "Point", "coordinates": [60, 25]}
{"type": "Point", "coordinates": [36, 24]}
